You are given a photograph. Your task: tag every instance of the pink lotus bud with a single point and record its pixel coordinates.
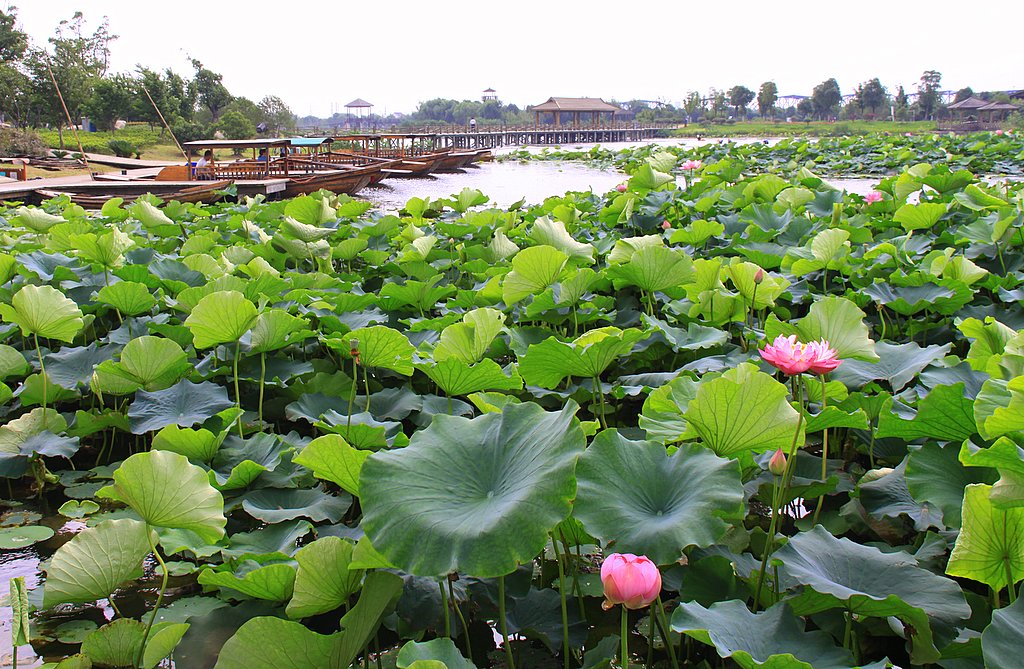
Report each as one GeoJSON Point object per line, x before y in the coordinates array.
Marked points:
{"type": "Point", "coordinates": [777, 465]}
{"type": "Point", "coordinates": [999, 133]}
{"type": "Point", "coordinates": [759, 275]}
{"type": "Point", "coordinates": [631, 580]}
{"type": "Point", "coordinates": [665, 225]}
{"type": "Point", "coordinates": [873, 197]}
{"type": "Point", "coordinates": [621, 188]}
{"type": "Point", "coordinates": [908, 134]}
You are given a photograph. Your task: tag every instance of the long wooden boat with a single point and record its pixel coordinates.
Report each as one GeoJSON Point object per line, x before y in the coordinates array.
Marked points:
{"type": "Point", "coordinates": [416, 153]}
{"type": "Point", "coordinates": [456, 160]}
{"type": "Point", "coordinates": [95, 195]}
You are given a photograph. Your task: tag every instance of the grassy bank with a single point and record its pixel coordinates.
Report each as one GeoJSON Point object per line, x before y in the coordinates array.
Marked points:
{"type": "Point", "coordinates": [796, 129]}
{"type": "Point", "coordinates": [151, 144]}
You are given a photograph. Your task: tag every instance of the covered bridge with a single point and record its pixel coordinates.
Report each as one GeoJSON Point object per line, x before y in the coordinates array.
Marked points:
{"type": "Point", "coordinates": [576, 111]}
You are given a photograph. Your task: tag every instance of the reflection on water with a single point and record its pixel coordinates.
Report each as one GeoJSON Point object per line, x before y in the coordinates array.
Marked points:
{"type": "Point", "coordinates": [505, 183]}
{"type": "Point", "coordinates": [24, 562]}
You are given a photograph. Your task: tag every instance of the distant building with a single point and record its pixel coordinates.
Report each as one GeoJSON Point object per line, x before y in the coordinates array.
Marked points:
{"type": "Point", "coordinates": [575, 110]}
{"type": "Point", "coordinates": [490, 95]}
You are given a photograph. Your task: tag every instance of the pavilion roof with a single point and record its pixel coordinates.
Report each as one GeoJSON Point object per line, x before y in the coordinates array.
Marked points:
{"type": "Point", "coordinates": [359, 102]}
{"type": "Point", "coordinates": [999, 106]}
{"type": "Point", "coordinates": [575, 105]}
{"type": "Point", "coordinates": [968, 103]}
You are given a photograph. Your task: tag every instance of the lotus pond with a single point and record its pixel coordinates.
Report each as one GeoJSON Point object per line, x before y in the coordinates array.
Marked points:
{"type": "Point", "coordinates": [307, 434]}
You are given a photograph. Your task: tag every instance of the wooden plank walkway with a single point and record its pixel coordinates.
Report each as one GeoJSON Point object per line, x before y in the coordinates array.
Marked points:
{"type": "Point", "coordinates": [540, 136]}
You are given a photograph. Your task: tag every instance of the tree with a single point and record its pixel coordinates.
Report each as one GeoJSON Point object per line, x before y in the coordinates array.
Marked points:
{"type": "Point", "coordinates": [901, 104]}
{"type": "Point", "coordinates": [78, 60]}
{"type": "Point", "coordinates": [111, 100]}
{"type": "Point", "coordinates": [870, 95]}
{"type": "Point", "coordinates": [739, 98]}
{"type": "Point", "coordinates": [963, 94]}
{"type": "Point", "coordinates": [211, 92]}
{"type": "Point", "coordinates": [826, 98]}
{"type": "Point", "coordinates": [928, 92]}
{"type": "Point", "coordinates": [276, 114]}
{"type": "Point", "coordinates": [766, 98]}
{"type": "Point", "coordinates": [235, 125]}
{"type": "Point", "coordinates": [805, 108]}
{"type": "Point", "coordinates": [692, 103]}
{"type": "Point", "coordinates": [246, 108]}
{"type": "Point", "coordinates": [13, 42]}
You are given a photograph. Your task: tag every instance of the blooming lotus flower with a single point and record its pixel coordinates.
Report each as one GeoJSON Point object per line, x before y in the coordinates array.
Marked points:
{"type": "Point", "coordinates": [692, 165]}
{"type": "Point", "coordinates": [621, 188]}
{"type": "Point", "coordinates": [631, 580]}
{"type": "Point", "coordinates": [665, 225]}
{"type": "Point", "coordinates": [823, 357]}
{"type": "Point", "coordinates": [873, 197]}
{"type": "Point", "coordinates": [787, 354]}
{"type": "Point", "coordinates": [999, 133]}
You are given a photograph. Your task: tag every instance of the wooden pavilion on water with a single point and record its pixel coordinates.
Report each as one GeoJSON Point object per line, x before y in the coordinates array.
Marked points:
{"type": "Point", "coordinates": [581, 111]}
{"type": "Point", "coordinates": [973, 113]}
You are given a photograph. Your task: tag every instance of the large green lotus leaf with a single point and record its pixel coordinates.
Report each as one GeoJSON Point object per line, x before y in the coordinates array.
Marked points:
{"type": "Point", "coordinates": [330, 457]}
{"type": "Point", "coordinates": [664, 409]}
{"type": "Point", "coordinates": [302, 232]}
{"type": "Point", "coordinates": [15, 433]}
{"type": "Point", "coordinates": [533, 270]}
{"type": "Point", "coordinates": [163, 639]}
{"type": "Point", "coordinates": [275, 329]}
{"type": "Point", "coordinates": [1001, 642]}
{"type": "Point", "coordinates": [934, 475]}
{"type": "Point", "coordinates": [743, 276]}
{"type": "Point", "coordinates": [476, 496]}
{"type": "Point", "coordinates": [221, 318]}
{"type": "Point", "coordinates": [456, 377]}
{"type": "Point", "coordinates": [774, 639]}
{"type": "Point", "coordinates": [324, 581]}
{"type": "Point", "coordinates": [898, 364]}
{"type": "Point", "coordinates": [309, 210]}
{"type": "Point", "coordinates": [272, 643]}
{"type": "Point", "coordinates": [272, 582]}
{"type": "Point", "coordinates": [625, 247]}
{"type": "Point", "coordinates": [96, 561]}
{"type": "Point", "coordinates": [990, 339]}
{"type": "Point", "coordinates": [469, 339]}
{"type": "Point", "coordinates": [836, 319]}
{"type": "Point", "coordinates": [553, 233]}
{"type": "Point", "coordinates": [1008, 458]}
{"type": "Point", "coordinates": [919, 216]}
{"type": "Point", "coordinates": [422, 295]}
{"type": "Point", "coordinates": [117, 644]}
{"type": "Point", "coordinates": [277, 541]}
{"type": "Point", "coordinates": [43, 311]}
{"type": "Point", "coordinates": [35, 218]}
{"type": "Point", "coordinates": [999, 408]}
{"type": "Point", "coordinates": [76, 661]}
{"type": "Point", "coordinates": [128, 297]}
{"type": "Point", "coordinates": [547, 363]}
{"type": "Point", "coordinates": [185, 403]}
{"type": "Point", "coordinates": [198, 445]}
{"type": "Point", "coordinates": [276, 505]}
{"type": "Point", "coordinates": [147, 362]}
{"type": "Point", "coordinates": [12, 363]}
{"type": "Point", "coordinates": [944, 414]}
{"type": "Point", "coordinates": [839, 573]}
{"type": "Point", "coordinates": [106, 249]}
{"type": "Point", "coordinates": [990, 546]}
{"type": "Point", "coordinates": [648, 178]}
{"type": "Point", "coordinates": [889, 497]}
{"type": "Point", "coordinates": [743, 410]}
{"type": "Point", "coordinates": [654, 268]}
{"type": "Point", "coordinates": [693, 338]}
{"type": "Point", "coordinates": [635, 495]}
{"type": "Point", "coordinates": [380, 346]}
{"type": "Point", "coordinates": [441, 651]}
{"type": "Point", "coordinates": [168, 491]}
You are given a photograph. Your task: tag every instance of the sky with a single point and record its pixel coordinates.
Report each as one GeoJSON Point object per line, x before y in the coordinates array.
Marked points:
{"type": "Point", "coordinates": [399, 53]}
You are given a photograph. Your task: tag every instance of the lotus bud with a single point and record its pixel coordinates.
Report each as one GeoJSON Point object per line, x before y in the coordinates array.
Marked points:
{"type": "Point", "coordinates": [759, 276]}
{"type": "Point", "coordinates": [621, 188]}
{"type": "Point", "coordinates": [665, 225]}
{"type": "Point", "coordinates": [354, 349]}
{"type": "Point", "coordinates": [777, 465]}
{"type": "Point", "coordinates": [631, 580]}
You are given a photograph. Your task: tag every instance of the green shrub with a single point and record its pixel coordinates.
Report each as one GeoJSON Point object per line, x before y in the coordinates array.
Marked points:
{"type": "Point", "coordinates": [122, 148]}
{"type": "Point", "coordinates": [15, 142]}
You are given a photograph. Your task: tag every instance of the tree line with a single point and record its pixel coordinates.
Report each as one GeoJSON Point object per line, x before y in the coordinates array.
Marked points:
{"type": "Point", "coordinates": [78, 61]}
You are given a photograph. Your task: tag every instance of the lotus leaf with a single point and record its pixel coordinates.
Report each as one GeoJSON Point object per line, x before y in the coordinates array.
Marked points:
{"type": "Point", "coordinates": [547, 363]}
{"type": "Point", "coordinates": [45, 312]}
{"type": "Point", "coordinates": [324, 580]}
{"type": "Point", "coordinates": [221, 318]}
{"type": "Point", "coordinates": [990, 546]}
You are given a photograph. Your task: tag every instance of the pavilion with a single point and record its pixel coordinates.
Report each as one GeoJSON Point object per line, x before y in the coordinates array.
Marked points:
{"type": "Point", "coordinates": [576, 109]}
{"type": "Point", "coordinates": [967, 108]}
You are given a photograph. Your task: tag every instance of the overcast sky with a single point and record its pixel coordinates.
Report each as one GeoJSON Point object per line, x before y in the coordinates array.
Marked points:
{"type": "Point", "coordinates": [319, 54]}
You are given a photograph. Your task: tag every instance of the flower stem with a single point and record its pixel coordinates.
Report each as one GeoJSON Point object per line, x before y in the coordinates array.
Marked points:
{"type": "Point", "coordinates": [503, 624]}
{"type": "Point", "coordinates": [159, 597]}
{"type": "Point", "coordinates": [238, 397]}
{"type": "Point", "coordinates": [624, 631]}
{"type": "Point", "coordinates": [263, 379]}
{"type": "Point", "coordinates": [663, 626]}
{"type": "Point", "coordinates": [462, 619]}
{"type": "Point", "coordinates": [824, 453]}
{"type": "Point", "coordinates": [444, 607]}
{"type": "Point", "coordinates": [565, 608]}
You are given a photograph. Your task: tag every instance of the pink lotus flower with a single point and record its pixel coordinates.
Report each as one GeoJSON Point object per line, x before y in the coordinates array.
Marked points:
{"type": "Point", "coordinates": [692, 165]}
{"type": "Point", "coordinates": [758, 276]}
{"type": "Point", "coordinates": [621, 188]}
{"type": "Point", "coordinates": [873, 197]}
{"type": "Point", "coordinates": [908, 134]}
{"type": "Point", "coordinates": [631, 580]}
{"type": "Point", "coordinates": [999, 133]}
{"type": "Point", "coordinates": [777, 465]}
{"type": "Point", "coordinates": [787, 354]}
{"type": "Point", "coordinates": [823, 357]}
{"type": "Point", "coordinates": [665, 225]}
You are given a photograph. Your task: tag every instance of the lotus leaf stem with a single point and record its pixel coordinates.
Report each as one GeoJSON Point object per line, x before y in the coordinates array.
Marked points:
{"type": "Point", "coordinates": [824, 452]}
{"type": "Point", "coordinates": [263, 378]}
{"type": "Point", "coordinates": [663, 626]}
{"type": "Point", "coordinates": [1011, 591]}
{"type": "Point", "coordinates": [444, 608]}
{"type": "Point", "coordinates": [848, 631]}
{"type": "Point", "coordinates": [159, 597]}
{"type": "Point", "coordinates": [238, 397]}
{"type": "Point", "coordinates": [42, 371]}
{"type": "Point", "coordinates": [624, 632]}
{"type": "Point", "coordinates": [503, 624]}
{"type": "Point", "coordinates": [462, 618]}
{"type": "Point", "coordinates": [565, 610]}
{"type": "Point", "coordinates": [366, 384]}
{"type": "Point", "coordinates": [352, 396]}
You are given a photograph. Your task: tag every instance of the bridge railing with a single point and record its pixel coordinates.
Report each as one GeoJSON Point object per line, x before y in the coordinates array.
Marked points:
{"type": "Point", "coordinates": [454, 129]}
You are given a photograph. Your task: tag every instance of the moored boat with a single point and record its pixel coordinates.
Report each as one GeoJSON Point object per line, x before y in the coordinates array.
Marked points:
{"type": "Point", "coordinates": [95, 194]}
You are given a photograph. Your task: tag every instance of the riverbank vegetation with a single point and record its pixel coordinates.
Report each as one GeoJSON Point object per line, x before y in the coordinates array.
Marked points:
{"type": "Point", "coordinates": [298, 434]}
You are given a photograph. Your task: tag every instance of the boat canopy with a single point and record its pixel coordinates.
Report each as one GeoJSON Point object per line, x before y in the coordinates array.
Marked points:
{"type": "Point", "coordinates": [235, 143]}
{"type": "Point", "coordinates": [310, 141]}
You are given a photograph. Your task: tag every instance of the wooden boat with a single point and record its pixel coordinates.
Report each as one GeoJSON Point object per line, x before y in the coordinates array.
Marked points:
{"type": "Point", "coordinates": [94, 195]}
{"type": "Point", "coordinates": [290, 166]}
{"type": "Point", "coordinates": [416, 155]}
{"type": "Point", "coordinates": [455, 160]}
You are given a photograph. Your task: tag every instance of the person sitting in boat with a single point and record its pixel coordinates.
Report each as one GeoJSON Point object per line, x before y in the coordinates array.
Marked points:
{"type": "Point", "coordinates": [205, 165]}
{"type": "Point", "coordinates": [263, 156]}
